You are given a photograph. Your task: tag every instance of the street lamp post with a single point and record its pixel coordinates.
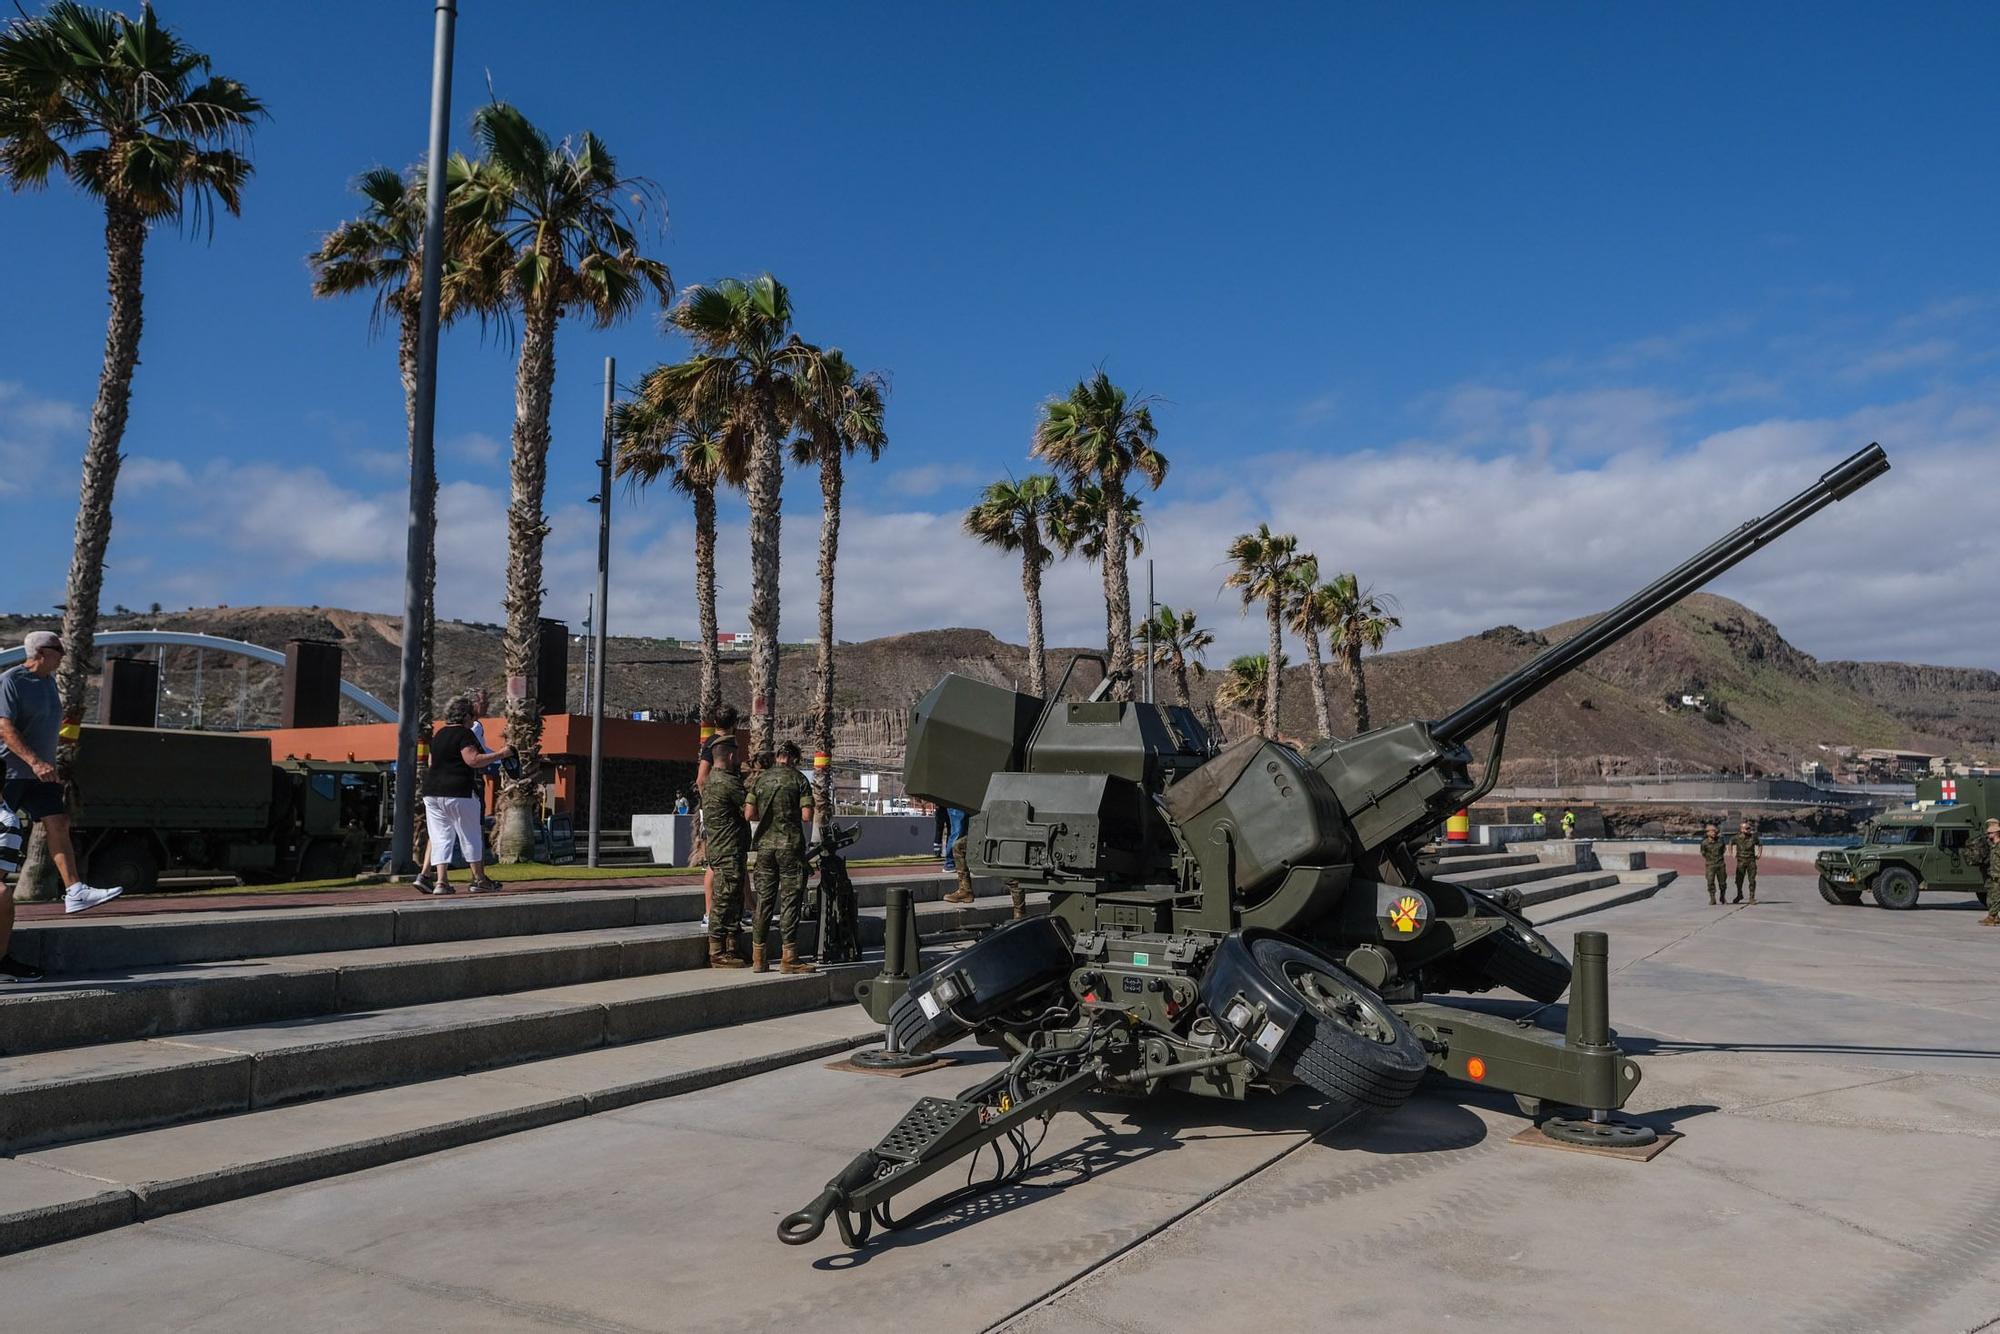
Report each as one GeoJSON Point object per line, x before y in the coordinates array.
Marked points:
{"type": "Point", "coordinates": [423, 465]}
{"type": "Point", "coordinates": [600, 616]}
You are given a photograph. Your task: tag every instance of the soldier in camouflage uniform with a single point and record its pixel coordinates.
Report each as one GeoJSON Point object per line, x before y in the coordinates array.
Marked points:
{"type": "Point", "coordinates": [1748, 849]}
{"type": "Point", "coordinates": [963, 894]}
{"type": "Point", "coordinates": [1713, 850]}
{"type": "Point", "coordinates": [780, 804]}
{"type": "Point", "coordinates": [728, 838]}
{"type": "Point", "coordinates": [1988, 855]}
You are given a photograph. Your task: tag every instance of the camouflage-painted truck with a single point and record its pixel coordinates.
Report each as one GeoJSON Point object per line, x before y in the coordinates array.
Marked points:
{"type": "Point", "coordinates": [1917, 850]}
{"type": "Point", "coordinates": [148, 801]}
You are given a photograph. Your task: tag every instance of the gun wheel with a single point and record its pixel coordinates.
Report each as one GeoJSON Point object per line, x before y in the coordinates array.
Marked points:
{"type": "Point", "coordinates": [1349, 1045]}
{"type": "Point", "coordinates": [1832, 893]}
{"type": "Point", "coordinates": [1013, 963]}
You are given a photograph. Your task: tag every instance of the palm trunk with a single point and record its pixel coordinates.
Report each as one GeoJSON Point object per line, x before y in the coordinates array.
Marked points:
{"type": "Point", "coordinates": [406, 362]}
{"type": "Point", "coordinates": [767, 476]}
{"type": "Point", "coordinates": [1031, 591]}
{"type": "Point", "coordinates": [1117, 591]}
{"type": "Point", "coordinates": [534, 385]}
{"type": "Point", "coordinates": [1181, 693]}
{"type": "Point", "coordinates": [1361, 693]}
{"type": "Point", "coordinates": [704, 597]}
{"type": "Point", "coordinates": [1351, 660]}
{"type": "Point", "coordinates": [829, 548]}
{"type": "Point", "coordinates": [125, 255]}
{"type": "Point", "coordinates": [1273, 665]}
{"type": "Point", "coordinates": [1317, 675]}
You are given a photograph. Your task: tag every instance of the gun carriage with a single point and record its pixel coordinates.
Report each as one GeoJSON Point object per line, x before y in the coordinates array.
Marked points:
{"type": "Point", "coordinates": [1225, 920]}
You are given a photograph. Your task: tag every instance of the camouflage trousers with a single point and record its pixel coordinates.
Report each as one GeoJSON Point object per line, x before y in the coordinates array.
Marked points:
{"type": "Point", "coordinates": [1718, 883]}
{"type": "Point", "coordinates": [1993, 893]}
{"type": "Point", "coordinates": [781, 885]}
{"type": "Point", "coordinates": [1746, 873]}
{"type": "Point", "coordinates": [725, 908]}
{"type": "Point", "coordinates": [1014, 890]}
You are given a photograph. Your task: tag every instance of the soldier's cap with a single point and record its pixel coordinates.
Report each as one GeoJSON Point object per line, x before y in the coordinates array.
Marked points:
{"type": "Point", "coordinates": [39, 640]}
{"type": "Point", "coordinates": [1993, 824]}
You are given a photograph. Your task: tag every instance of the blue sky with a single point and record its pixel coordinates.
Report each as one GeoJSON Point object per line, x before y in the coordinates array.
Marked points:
{"type": "Point", "coordinates": [1505, 306]}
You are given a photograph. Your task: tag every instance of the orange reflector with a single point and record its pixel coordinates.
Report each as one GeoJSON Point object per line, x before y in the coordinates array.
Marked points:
{"type": "Point", "coordinates": [1475, 1069]}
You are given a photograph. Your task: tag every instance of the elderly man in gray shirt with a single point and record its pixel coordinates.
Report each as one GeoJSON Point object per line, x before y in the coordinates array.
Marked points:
{"type": "Point", "coordinates": [30, 790]}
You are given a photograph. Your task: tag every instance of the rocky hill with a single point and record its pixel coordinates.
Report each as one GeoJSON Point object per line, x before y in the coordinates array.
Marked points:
{"type": "Point", "coordinates": [1776, 705]}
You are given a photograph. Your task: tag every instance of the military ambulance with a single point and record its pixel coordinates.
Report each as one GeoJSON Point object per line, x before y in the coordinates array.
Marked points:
{"type": "Point", "coordinates": [1919, 849]}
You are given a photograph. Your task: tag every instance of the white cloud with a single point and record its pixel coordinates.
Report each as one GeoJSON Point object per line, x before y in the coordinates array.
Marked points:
{"type": "Point", "coordinates": [927, 479]}
{"type": "Point", "coordinates": [35, 432]}
{"type": "Point", "coordinates": [1465, 536]}
{"type": "Point", "coordinates": [1909, 356]}
{"type": "Point", "coordinates": [142, 472]}
{"type": "Point", "coordinates": [475, 447]}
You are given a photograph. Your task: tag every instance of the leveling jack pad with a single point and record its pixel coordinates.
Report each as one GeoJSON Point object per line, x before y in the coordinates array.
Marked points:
{"type": "Point", "coordinates": [882, 1061]}
{"type": "Point", "coordinates": [1612, 1139]}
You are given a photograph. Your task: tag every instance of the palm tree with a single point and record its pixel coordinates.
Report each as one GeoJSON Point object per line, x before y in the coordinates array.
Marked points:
{"type": "Point", "coordinates": [1263, 562]}
{"type": "Point", "coordinates": [1307, 610]}
{"type": "Point", "coordinates": [381, 251]}
{"type": "Point", "coordinates": [841, 416]}
{"type": "Point", "coordinates": [757, 379]}
{"type": "Point", "coordinates": [1014, 516]}
{"type": "Point", "coordinates": [1179, 646]}
{"type": "Point", "coordinates": [1242, 683]}
{"type": "Point", "coordinates": [131, 114]}
{"type": "Point", "coordinates": [1358, 619]}
{"type": "Point", "coordinates": [1078, 519]}
{"type": "Point", "coordinates": [567, 218]}
{"type": "Point", "coordinates": [1098, 436]}
{"type": "Point", "coordinates": [696, 455]}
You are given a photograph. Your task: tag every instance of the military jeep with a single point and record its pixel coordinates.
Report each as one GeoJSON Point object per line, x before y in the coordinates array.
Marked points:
{"type": "Point", "coordinates": [1917, 850]}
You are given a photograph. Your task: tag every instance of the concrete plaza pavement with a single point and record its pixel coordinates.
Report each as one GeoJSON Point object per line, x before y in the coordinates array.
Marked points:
{"type": "Point", "coordinates": [1833, 1071]}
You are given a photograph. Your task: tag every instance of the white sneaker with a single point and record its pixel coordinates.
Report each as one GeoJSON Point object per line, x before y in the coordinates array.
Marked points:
{"type": "Point", "coordinates": [704, 921]}
{"type": "Point", "coordinates": [82, 898]}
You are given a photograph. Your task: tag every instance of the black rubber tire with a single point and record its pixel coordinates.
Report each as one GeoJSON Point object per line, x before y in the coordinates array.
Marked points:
{"type": "Point", "coordinates": [1832, 893]}
{"type": "Point", "coordinates": [1520, 958]}
{"type": "Point", "coordinates": [1368, 1073]}
{"type": "Point", "coordinates": [1896, 887]}
{"type": "Point", "coordinates": [1005, 968]}
{"type": "Point", "coordinates": [128, 861]}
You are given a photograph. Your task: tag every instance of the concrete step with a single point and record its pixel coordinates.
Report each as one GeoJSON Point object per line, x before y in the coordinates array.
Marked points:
{"type": "Point", "coordinates": [1563, 886]}
{"type": "Point", "coordinates": [1524, 872]}
{"type": "Point", "coordinates": [61, 1096]}
{"type": "Point", "coordinates": [88, 945]}
{"type": "Point", "coordinates": [161, 1000]}
{"type": "Point", "coordinates": [1632, 886]}
{"type": "Point", "coordinates": [1483, 860]}
{"type": "Point", "coordinates": [55, 1194]}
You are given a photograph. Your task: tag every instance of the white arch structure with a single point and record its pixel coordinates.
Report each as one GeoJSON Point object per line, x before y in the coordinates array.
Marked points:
{"type": "Point", "coordinates": [214, 644]}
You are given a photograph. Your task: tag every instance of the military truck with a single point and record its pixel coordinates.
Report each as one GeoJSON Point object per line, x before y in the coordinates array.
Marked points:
{"type": "Point", "coordinates": [150, 799]}
{"type": "Point", "coordinates": [1919, 849]}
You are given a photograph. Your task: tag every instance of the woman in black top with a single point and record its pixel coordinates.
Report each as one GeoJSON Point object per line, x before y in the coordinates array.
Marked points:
{"type": "Point", "coordinates": [451, 798]}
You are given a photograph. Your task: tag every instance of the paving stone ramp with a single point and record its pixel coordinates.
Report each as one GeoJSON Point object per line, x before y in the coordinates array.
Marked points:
{"type": "Point", "coordinates": [174, 1062]}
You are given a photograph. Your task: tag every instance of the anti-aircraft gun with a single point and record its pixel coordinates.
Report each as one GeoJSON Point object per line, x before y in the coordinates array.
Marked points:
{"type": "Point", "coordinates": [1241, 918]}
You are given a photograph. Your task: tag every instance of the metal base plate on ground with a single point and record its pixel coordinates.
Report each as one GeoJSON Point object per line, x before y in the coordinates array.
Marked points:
{"type": "Point", "coordinates": [1614, 1139]}
{"type": "Point", "coordinates": [880, 1061]}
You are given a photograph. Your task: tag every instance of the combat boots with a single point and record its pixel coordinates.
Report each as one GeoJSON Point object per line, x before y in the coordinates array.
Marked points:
{"type": "Point", "coordinates": [792, 963]}
{"type": "Point", "coordinates": [959, 896]}
{"type": "Point", "coordinates": [1990, 920]}
{"type": "Point", "coordinates": [722, 954]}
{"type": "Point", "coordinates": [758, 964]}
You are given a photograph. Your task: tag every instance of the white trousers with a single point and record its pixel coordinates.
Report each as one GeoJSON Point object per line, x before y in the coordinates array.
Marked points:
{"type": "Point", "coordinates": [454, 826]}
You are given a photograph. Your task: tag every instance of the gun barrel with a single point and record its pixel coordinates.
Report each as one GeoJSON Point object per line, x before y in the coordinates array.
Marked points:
{"type": "Point", "coordinates": [1522, 684]}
